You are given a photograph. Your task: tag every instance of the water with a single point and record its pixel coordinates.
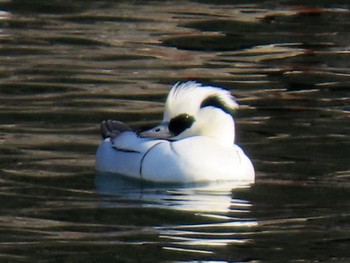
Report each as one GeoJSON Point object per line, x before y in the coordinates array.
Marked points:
{"type": "Point", "coordinates": [66, 66]}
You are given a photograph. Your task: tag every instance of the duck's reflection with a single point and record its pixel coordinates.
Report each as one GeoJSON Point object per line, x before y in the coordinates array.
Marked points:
{"type": "Point", "coordinates": [217, 217]}
{"type": "Point", "coordinates": [213, 197]}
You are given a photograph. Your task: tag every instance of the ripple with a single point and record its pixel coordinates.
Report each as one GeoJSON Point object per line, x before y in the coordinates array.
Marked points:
{"type": "Point", "coordinates": [66, 67]}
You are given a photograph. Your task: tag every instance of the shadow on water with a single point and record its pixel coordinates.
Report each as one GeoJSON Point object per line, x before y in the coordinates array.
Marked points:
{"type": "Point", "coordinates": [66, 66]}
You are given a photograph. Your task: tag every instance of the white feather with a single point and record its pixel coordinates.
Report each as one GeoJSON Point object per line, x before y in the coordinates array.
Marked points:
{"type": "Point", "coordinates": [187, 97]}
{"type": "Point", "coordinates": [205, 151]}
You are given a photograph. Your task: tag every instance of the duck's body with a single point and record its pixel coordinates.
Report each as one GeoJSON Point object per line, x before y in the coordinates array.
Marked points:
{"type": "Point", "coordinates": [182, 149]}
{"type": "Point", "coordinates": [194, 159]}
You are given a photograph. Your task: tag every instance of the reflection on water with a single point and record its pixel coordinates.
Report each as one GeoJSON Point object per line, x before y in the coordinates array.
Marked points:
{"type": "Point", "coordinates": [70, 221]}
{"type": "Point", "coordinates": [212, 207]}
{"type": "Point", "coordinates": [198, 198]}
{"type": "Point", "coordinates": [66, 66]}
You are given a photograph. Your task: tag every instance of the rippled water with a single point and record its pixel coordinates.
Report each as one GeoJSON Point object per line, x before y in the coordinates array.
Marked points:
{"type": "Point", "coordinates": [66, 66]}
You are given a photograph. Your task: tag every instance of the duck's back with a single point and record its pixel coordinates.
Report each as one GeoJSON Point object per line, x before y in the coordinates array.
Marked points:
{"type": "Point", "coordinates": [194, 159]}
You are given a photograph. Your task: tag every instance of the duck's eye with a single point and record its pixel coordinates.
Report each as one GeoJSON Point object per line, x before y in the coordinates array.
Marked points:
{"type": "Point", "coordinates": [180, 123]}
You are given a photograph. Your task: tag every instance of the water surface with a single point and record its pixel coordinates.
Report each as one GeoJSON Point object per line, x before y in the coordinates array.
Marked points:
{"type": "Point", "coordinates": [66, 66]}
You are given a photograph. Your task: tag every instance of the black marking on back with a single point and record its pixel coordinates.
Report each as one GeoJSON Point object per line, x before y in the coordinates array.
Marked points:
{"type": "Point", "coordinates": [124, 150]}
{"type": "Point", "coordinates": [180, 123]}
{"type": "Point", "coordinates": [216, 102]}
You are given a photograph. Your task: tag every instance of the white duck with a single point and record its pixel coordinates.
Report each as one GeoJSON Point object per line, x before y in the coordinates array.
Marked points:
{"type": "Point", "coordinates": [194, 143]}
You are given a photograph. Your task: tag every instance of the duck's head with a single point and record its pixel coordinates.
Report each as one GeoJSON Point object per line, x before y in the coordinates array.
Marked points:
{"type": "Point", "coordinates": [195, 110]}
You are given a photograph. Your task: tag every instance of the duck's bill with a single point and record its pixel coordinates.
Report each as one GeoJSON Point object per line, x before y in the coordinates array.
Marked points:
{"type": "Point", "coordinates": [159, 132]}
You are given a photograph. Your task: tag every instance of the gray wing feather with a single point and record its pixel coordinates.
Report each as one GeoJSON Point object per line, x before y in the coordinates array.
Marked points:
{"type": "Point", "coordinates": [111, 129]}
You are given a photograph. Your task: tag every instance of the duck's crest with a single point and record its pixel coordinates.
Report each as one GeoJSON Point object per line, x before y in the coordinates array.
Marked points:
{"type": "Point", "coordinates": [191, 96]}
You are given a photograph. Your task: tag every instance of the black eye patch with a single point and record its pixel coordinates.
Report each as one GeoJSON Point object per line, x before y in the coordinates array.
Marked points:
{"type": "Point", "coordinates": [180, 123]}
{"type": "Point", "coordinates": [214, 101]}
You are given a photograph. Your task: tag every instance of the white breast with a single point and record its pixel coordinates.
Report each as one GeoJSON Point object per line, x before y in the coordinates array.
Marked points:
{"type": "Point", "coordinates": [194, 159]}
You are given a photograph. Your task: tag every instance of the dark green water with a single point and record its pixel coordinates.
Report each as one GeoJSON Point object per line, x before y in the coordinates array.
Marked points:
{"type": "Point", "coordinates": [67, 65]}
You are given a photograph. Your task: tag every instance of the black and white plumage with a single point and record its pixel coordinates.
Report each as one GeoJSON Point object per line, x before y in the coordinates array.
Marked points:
{"type": "Point", "coordinates": [193, 143]}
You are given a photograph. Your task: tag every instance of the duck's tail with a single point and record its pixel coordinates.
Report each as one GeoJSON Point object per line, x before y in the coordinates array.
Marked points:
{"type": "Point", "coordinates": [111, 129]}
